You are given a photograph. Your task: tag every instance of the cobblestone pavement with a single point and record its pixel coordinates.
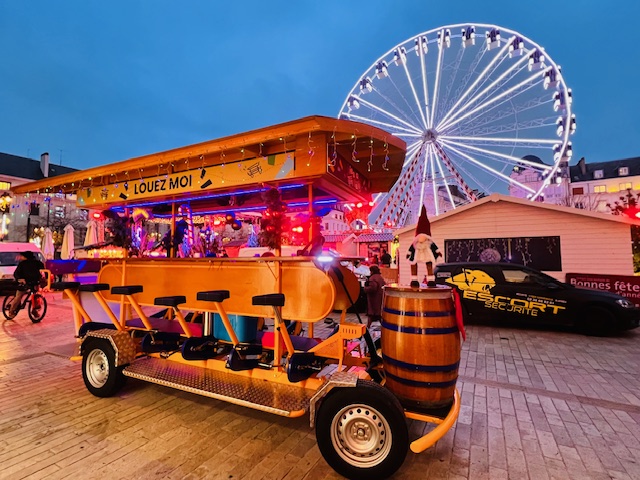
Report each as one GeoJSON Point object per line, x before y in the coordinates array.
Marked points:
{"type": "Point", "coordinates": [535, 404]}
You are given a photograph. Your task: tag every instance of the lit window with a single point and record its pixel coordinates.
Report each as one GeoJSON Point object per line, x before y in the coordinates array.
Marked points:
{"type": "Point", "coordinates": [59, 212]}
{"type": "Point", "coordinates": [599, 189]}
{"type": "Point", "coordinates": [598, 174]}
{"type": "Point", "coordinates": [623, 171]}
{"type": "Point", "coordinates": [625, 186]}
{"type": "Point", "coordinates": [5, 185]}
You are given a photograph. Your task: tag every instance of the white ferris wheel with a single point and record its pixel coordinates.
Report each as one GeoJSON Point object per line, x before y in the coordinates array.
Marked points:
{"type": "Point", "coordinates": [482, 108]}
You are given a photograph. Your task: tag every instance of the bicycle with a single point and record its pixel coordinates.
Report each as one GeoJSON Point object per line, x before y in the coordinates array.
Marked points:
{"type": "Point", "coordinates": [33, 298]}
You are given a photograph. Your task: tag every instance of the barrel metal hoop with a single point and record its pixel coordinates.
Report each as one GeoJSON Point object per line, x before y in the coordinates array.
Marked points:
{"type": "Point", "coordinates": [417, 383]}
{"type": "Point", "coordinates": [419, 330]}
{"type": "Point", "coordinates": [420, 368]}
{"type": "Point", "coordinates": [428, 313]}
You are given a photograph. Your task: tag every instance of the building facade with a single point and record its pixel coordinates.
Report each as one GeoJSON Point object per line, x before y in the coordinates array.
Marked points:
{"type": "Point", "coordinates": [24, 217]}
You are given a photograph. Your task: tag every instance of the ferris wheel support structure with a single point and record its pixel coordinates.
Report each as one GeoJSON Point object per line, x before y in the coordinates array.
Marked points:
{"type": "Point", "coordinates": [477, 105]}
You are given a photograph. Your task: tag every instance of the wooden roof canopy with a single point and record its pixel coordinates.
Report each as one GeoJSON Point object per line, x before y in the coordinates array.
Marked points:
{"type": "Point", "coordinates": [334, 157]}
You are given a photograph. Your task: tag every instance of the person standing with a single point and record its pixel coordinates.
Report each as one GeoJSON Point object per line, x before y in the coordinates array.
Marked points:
{"type": "Point", "coordinates": [373, 289]}
{"type": "Point", "coordinates": [385, 258]}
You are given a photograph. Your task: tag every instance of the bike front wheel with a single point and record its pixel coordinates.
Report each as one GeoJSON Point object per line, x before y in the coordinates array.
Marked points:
{"type": "Point", "coordinates": [37, 307]}
{"type": "Point", "coordinates": [6, 307]}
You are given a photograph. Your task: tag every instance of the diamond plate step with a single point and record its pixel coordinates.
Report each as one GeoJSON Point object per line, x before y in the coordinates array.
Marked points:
{"type": "Point", "coordinates": [279, 399]}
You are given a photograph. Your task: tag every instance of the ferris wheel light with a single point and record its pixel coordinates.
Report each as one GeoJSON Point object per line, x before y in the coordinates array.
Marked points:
{"type": "Point", "coordinates": [493, 38]}
{"type": "Point", "coordinates": [516, 47]}
{"type": "Point", "coordinates": [559, 126]}
{"type": "Point", "coordinates": [444, 36]}
{"type": "Point", "coordinates": [550, 78]}
{"type": "Point", "coordinates": [572, 127]}
{"type": "Point", "coordinates": [421, 46]}
{"type": "Point", "coordinates": [400, 56]}
{"type": "Point", "coordinates": [366, 85]}
{"type": "Point", "coordinates": [559, 102]}
{"type": "Point", "coordinates": [468, 36]}
{"type": "Point", "coordinates": [536, 60]}
{"type": "Point", "coordinates": [353, 103]}
{"type": "Point", "coordinates": [381, 69]}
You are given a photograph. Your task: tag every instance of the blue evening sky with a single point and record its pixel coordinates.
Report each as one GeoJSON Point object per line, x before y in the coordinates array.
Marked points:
{"type": "Point", "coordinates": [98, 82]}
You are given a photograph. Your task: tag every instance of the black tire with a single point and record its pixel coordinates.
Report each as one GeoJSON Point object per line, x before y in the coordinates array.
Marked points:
{"type": "Point", "coordinates": [99, 372]}
{"type": "Point", "coordinates": [6, 307]}
{"type": "Point", "coordinates": [37, 316]}
{"type": "Point", "coordinates": [362, 431]}
{"type": "Point", "coordinates": [596, 321]}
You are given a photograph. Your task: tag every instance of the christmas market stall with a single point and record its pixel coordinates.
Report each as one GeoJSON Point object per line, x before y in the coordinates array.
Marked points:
{"type": "Point", "coordinates": [179, 311]}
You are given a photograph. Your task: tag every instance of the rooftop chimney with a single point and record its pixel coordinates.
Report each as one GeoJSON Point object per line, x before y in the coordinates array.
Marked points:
{"type": "Point", "coordinates": [583, 166]}
{"type": "Point", "coordinates": [44, 164]}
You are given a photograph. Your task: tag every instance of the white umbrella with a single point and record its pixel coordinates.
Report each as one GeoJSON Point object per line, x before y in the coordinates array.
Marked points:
{"type": "Point", "coordinates": [68, 243]}
{"type": "Point", "coordinates": [91, 238]}
{"type": "Point", "coordinates": [48, 248]}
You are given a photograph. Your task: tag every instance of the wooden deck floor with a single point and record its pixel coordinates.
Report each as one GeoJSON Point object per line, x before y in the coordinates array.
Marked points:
{"type": "Point", "coordinates": [536, 404]}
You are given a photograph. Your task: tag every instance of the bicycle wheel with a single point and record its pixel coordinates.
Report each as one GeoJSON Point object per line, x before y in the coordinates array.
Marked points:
{"type": "Point", "coordinates": [6, 307]}
{"type": "Point", "coordinates": [37, 307]}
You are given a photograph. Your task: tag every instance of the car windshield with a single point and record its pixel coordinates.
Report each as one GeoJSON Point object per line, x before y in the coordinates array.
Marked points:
{"type": "Point", "coordinates": [11, 259]}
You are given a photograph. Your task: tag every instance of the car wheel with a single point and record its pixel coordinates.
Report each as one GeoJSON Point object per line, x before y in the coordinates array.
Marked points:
{"type": "Point", "coordinates": [362, 431]}
{"type": "Point", "coordinates": [99, 372]}
{"type": "Point", "coordinates": [596, 321]}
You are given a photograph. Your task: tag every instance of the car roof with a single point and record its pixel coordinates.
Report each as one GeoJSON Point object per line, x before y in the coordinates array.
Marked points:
{"type": "Point", "coordinates": [480, 264]}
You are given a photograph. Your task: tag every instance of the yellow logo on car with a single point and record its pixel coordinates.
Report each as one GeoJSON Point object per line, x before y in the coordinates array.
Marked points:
{"type": "Point", "coordinates": [474, 280]}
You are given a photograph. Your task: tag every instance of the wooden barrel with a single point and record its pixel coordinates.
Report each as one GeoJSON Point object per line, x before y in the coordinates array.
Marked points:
{"type": "Point", "coordinates": [420, 346]}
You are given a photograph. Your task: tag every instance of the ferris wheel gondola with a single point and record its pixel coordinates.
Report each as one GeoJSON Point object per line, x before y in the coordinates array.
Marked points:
{"type": "Point", "coordinates": [475, 103]}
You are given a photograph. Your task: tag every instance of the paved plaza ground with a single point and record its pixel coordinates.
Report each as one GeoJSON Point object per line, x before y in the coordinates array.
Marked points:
{"type": "Point", "coordinates": [535, 404]}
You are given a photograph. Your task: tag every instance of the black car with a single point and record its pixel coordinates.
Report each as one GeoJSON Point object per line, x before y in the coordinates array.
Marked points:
{"type": "Point", "coordinates": [506, 292]}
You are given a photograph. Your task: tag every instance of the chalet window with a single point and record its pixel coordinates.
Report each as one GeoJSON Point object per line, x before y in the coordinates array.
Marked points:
{"type": "Point", "coordinates": [578, 191]}
{"type": "Point", "coordinates": [600, 189]}
{"type": "Point", "coordinates": [623, 171]}
{"type": "Point", "coordinates": [5, 185]}
{"type": "Point", "coordinates": [59, 212]}
{"type": "Point", "coordinates": [625, 186]}
{"type": "Point", "coordinates": [579, 205]}
{"type": "Point", "coordinates": [598, 174]}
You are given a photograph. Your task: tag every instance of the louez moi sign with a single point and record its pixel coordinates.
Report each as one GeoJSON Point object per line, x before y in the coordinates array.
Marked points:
{"type": "Point", "coordinates": [254, 170]}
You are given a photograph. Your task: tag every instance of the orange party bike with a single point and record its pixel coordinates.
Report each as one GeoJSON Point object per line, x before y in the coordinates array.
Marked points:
{"type": "Point", "coordinates": [177, 300]}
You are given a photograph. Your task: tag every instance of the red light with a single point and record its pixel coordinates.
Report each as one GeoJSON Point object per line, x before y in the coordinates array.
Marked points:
{"type": "Point", "coordinates": [217, 222]}
{"type": "Point", "coordinates": [359, 205]}
{"type": "Point", "coordinates": [371, 204]}
{"type": "Point", "coordinates": [97, 215]}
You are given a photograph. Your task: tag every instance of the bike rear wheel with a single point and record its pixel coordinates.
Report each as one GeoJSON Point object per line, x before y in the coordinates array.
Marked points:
{"type": "Point", "coordinates": [37, 307]}
{"type": "Point", "coordinates": [6, 307]}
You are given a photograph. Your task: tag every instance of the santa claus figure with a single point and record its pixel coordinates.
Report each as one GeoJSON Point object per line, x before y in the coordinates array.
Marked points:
{"type": "Point", "coordinates": [423, 250]}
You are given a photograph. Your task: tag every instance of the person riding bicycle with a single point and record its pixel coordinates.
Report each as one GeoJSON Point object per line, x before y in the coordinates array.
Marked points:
{"type": "Point", "coordinates": [28, 275]}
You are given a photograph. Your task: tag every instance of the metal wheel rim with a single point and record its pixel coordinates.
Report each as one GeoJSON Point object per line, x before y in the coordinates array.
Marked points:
{"type": "Point", "coordinates": [97, 368]}
{"type": "Point", "coordinates": [361, 435]}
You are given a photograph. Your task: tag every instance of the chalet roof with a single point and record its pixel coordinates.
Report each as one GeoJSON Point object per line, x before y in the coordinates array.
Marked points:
{"type": "Point", "coordinates": [27, 168]}
{"type": "Point", "coordinates": [374, 237]}
{"type": "Point", "coordinates": [336, 237]}
{"type": "Point", "coordinates": [498, 197]}
{"type": "Point", "coordinates": [582, 171]}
